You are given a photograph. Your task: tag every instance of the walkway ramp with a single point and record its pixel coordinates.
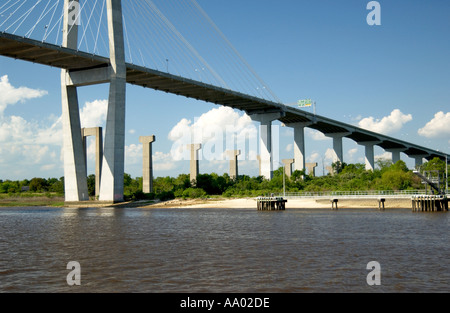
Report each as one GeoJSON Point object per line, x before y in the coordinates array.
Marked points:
{"type": "Point", "coordinates": [430, 182]}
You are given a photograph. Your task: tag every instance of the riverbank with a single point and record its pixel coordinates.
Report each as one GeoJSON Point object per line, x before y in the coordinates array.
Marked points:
{"type": "Point", "coordinates": [32, 201]}
{"type": "Point", "coordinates": [212, 203]}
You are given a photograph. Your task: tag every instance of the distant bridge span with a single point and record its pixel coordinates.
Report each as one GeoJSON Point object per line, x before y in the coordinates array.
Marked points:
{"type": "Point", "coordinates": [56, 56]}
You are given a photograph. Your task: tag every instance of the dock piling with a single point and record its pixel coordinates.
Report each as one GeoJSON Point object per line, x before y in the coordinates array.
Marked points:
{"type": "Point", "coordinates": [271, 204]}
{"type": "Point", "coordinates": [334, 204]}
{"type": "Point", "coordinates": [429, 203]}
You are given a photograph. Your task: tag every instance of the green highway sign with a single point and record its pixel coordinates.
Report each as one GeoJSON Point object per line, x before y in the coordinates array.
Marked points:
{"type": "Point", "coordinates": [304, 103]}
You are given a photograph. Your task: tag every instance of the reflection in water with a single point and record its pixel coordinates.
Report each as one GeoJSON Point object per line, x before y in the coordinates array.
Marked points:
{"type": "Point", "coordinates": [221, 250]}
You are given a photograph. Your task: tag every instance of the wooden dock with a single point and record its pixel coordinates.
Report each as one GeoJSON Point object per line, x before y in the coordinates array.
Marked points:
{"type": "Point", "coordinates": [271, 203]}
{"type": "Point", "coordinates": [430, 203]}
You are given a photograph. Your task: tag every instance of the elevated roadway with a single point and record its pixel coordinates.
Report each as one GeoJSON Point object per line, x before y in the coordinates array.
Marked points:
{"type": "Point", "coordinates": [72, 60]}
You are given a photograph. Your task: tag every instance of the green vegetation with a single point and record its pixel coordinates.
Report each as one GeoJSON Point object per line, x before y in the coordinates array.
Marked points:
{"type": "Point", "coordinates": [347, 177]}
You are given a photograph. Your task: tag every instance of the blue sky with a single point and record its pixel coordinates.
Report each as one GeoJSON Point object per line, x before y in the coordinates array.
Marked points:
{"type": "Point", "coordinates": [393, 78]}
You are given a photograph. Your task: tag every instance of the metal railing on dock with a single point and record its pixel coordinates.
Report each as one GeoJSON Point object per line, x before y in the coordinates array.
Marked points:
{"type": "Point", "coordinates": [361, 194]}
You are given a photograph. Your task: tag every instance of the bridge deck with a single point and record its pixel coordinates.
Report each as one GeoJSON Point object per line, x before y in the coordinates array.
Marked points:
{"type": "Point", "coordinates": [56, 56]}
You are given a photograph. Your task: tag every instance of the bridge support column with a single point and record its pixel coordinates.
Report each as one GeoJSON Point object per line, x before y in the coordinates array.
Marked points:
{"type": "Point", "coordinates": [337, 145]}
{"type": "Point", "coordinates": [233, 156]}
{"type": "Point", "coordinates": [147, 163]}
{"type": "Point", "coordinates": [265, 142]}
{"type": "Point", "coordinates": [111, 188]}
{"type": "Point", "coordinates": [194, 168]}
{"type": "Point", "coordinates": [396, 154]}
{"type": "Point", "coordinates": [97, 132]}
{"type": "Point", "coordinates": [418, 159]}
{"type": "Point", "coordinates": [288, 166]}
{"type": "Point", "coordinates": [311, 168]}
{"type": "Point", "coordinates": [370, 157]}
{"type": "Point", "coordinates": [299, 144]}
{"type": "Point", "coordinates": [75, 181]}
{"type": "Point", "coordinates": [258, 157]}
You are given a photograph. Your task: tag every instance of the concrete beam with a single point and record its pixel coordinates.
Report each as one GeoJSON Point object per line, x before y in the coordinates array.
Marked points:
{"type": "Point", "coordinates": [288, 166]}
{"type": "Point", "coordinates": [265, 143]}
{"type": "Point", "coordinates": [194, 167]}
{"type": "Point", "coordinates": [88, 77]}
{"type": "Point", "coordinates": [97, 132]}
{"type": "Point", "coordinates": [233, 156]}
{"type": "Point", "coordinates": [147, 163]}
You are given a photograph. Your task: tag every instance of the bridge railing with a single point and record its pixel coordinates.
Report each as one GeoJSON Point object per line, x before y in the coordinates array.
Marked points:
{"type": "Point", "coordinates": [353, 194]}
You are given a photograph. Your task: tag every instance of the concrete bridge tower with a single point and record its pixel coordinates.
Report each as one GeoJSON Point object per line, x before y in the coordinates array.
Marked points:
{"type": "Point", "coordinates": [111, 182]}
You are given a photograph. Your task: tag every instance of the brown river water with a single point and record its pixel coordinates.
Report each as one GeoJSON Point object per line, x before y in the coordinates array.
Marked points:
{"type": "Point", "coordinates": [223, 250]}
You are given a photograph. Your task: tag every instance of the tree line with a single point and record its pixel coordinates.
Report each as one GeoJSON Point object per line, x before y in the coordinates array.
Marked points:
{"type": "Point", "coordinates": [346, 177]}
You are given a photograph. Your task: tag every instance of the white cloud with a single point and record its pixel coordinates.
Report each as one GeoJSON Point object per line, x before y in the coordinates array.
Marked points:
{"type": "Point", "coordinates": [32, 147]}
{"type": "Point", "coordinates": [316, 135]}
{"type": "Point", "coordinates": [388, 124]}
{"type": "Point", "coordinates": [314, 157]}
{"type": "Point", "coordinates": [438, 127]}
{"type": "Point", "coordinates": [163, 161]}
{"type": "Point", "coordinates": [352, 152]}
{"type": "Point", "coordinates": [289, 147]}
{"type": "Point", "coordinates": [217, 130]}
{"type": "Point", "coordinates": [384, 156]}
{"type": "Point", "coordinates": [93, 114]}
{"type": "Point", "coordinates": [133, 154]}
{"type": "Point", "coordinates": [10, 95]}
{"type": "Point", "coordinates": [330, 155]}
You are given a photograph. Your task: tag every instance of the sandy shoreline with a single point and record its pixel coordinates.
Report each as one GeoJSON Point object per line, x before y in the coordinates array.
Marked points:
{"type": "Point", "coordinates": [250, 203]}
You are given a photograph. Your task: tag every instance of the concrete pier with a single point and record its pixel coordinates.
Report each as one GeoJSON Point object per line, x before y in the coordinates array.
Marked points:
{"type": "Point", "coordinates": [112, 165]}
{"type": "Point", "coordinates": [337, 145]}
{"type": "Point", "coordinates": [311, 167]}
{"type": "Point", "coordinates": [111, 188]}
{"type": "Point", "coordinates": [194, 166]}
{"type": "Point", "coordinates": [265, 142]}
{"type": "Point", "coordinates": [147, 163]}
{"type": "Point", "coordinates": [299, 144]}
{"type": "Point", "coordinates": [396, 154]}
{"type": "Point", "coordinates": [97, 132]}
{"type": "Point", "coordinates": [75, 181]}
{"type": "Point", "coordinates": [369, 152]}
{"type": "Point", "coordinates": [233, 156]}
{"type": "Point", "coordinates": [288, 166]}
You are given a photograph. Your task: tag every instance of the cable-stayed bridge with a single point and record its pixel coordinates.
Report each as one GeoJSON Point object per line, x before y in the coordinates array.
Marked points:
{"type": "Point", "coordinates": [139, 42]}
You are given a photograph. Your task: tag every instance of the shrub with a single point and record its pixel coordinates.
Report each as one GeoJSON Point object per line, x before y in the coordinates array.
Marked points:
{"type": "Point", "coordinates": [194, 193]}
